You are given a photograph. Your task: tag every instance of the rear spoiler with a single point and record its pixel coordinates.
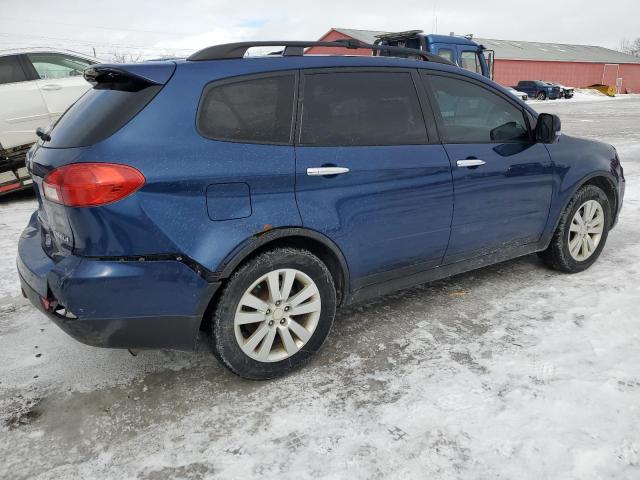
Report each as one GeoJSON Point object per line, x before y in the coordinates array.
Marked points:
{"type": "Point", "coordinates": [129, 77]}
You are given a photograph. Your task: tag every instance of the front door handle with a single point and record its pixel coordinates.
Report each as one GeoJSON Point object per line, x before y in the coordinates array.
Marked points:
{"type": "Point", "coordinates": [322, 171]}
{"type": "Point", "coordinates": [51, 86]}
{"type": "Point", "coordinates": [470, 162]}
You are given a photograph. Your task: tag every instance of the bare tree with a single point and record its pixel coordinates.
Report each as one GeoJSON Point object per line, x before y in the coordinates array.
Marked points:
{"type": "Point", "coordinates": [120, 57]}
{"type": "Point", "coordinates": [630, 47]}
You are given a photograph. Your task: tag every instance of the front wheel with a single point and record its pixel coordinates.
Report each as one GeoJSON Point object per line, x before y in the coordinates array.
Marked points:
{"type": "Point", "coordinates": [541, 96]}
{"type": "Point", "coordinates": [273, 314]}
{"type": "Point", "coordinates": [581, 233]}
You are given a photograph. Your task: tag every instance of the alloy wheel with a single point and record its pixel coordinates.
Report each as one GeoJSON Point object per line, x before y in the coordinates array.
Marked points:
{"type": "Point", "coordinates": [277, 315]}
{"type": "Point", "coordinates": [586, 230]}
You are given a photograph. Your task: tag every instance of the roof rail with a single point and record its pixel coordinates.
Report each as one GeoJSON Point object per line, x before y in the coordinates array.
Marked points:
{"type": "Point", "coordinates": [296, 49]}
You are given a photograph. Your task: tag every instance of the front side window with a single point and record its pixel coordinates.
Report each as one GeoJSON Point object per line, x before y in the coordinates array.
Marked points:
{"type": "Point", "coordinates": [473, 114]}
{"type": "Point", "coordinates": [10, 70]}
{"type": "Point", "coordinates": [51, 66]}
{"type": "Point", "coordinates": [258, 110]}
{"type": "Point", "coordinates": [469, 61]}
{"type": "Point", "coordinates": [361, 108]}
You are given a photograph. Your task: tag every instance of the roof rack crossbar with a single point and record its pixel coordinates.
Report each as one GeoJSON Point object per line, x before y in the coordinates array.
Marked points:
{"type": "Point", "coordinates": [296, 48]}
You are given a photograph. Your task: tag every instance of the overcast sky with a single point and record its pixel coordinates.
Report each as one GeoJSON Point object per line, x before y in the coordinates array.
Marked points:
{"type": "Point", "coordinates": [179, 27]}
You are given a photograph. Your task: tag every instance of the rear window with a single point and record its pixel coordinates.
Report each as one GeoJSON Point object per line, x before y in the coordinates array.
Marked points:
{"type": "Point", "coordinates": [97, 115]}
{"type": "Point", "coordinates": [257, 110]}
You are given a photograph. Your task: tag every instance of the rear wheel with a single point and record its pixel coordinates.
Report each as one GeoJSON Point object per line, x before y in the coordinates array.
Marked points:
{"type": "Point", "coordinates": [581, 233]}
{"type": "Point", "coordinates": [274, 313]}
{"type": "Point", "coordinates": [541, 96]}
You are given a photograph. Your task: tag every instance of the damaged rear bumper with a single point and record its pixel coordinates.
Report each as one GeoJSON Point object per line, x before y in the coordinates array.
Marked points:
{"type": "Point", "coordinates": [115, 304]}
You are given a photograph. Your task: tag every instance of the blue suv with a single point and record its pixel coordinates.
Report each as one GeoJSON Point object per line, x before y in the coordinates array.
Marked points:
{"type": "Point", "coordinates": [252, 196]}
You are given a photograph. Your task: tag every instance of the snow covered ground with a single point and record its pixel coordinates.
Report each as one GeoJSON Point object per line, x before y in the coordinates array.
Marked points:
{"type": "Point", "coordinates": [511, 371]}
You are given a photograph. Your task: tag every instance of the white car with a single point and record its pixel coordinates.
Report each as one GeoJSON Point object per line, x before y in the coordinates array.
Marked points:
{"type": "Point", "coordinates": [518, 93]}
{"type": "Point", "coordinates": [36, 87]}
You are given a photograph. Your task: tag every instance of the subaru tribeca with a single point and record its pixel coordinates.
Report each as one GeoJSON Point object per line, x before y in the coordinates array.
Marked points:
{"type": "Point", "coordinates": [254, 195]}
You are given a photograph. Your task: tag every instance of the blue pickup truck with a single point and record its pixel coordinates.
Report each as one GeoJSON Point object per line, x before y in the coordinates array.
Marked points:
{"type": "Point", "coordinates": [539, 90]}
{"type": "Point", "coordinates": [462, 51]}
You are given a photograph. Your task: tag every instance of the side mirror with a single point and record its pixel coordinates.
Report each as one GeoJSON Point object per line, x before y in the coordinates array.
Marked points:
{"type": "Point", "coordinates": [547, 128]}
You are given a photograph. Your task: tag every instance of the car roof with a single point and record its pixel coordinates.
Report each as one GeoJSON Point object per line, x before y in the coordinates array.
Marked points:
{"type": "Point", "coordinates": [23, 51]}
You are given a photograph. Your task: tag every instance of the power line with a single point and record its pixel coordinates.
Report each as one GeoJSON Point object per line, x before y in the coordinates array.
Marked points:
{"type": "Point", "coordinates": [31, 20]}
{"type": "Point", "coordinates": [90, 44]}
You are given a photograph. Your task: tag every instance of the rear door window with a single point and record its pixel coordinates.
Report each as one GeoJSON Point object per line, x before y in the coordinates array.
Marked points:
{"type": "Point", "coordinates": [361, 108]}
{"type": "Point", "coordinates": [11, 70]}
{"type": "Point", "coordinates": [473, 114]}
{"type": "Point", "coordinates": [54, 65]}
{"type": "Point", "coordinates": [253, 110]}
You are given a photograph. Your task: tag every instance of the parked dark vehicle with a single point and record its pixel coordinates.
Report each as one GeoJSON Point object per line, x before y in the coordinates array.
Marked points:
{"type": "Point", "coordinates": [253, 196]}
{"type": "Point", "coordinates": [538, 89]}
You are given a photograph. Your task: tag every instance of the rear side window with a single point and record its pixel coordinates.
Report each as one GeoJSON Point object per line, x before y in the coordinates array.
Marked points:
{"type": "Point", "coordinates": [11, 71]}
{"type": "Point", "coordinates": [97, 115]}
{"type": "Point", "coordinates": [446, 53]}
{"type": "Point", "coordinates": [257, 110]}
{"type": "Point", "coordinates": [361, 108]}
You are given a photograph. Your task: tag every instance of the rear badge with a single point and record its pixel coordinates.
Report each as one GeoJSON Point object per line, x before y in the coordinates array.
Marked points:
{"type": "Point", "coordinates": [63, 238]}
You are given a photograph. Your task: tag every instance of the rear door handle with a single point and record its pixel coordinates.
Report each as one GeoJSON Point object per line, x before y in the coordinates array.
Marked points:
{"type": "Point", "coordinates": [51, 86]}
{"type": "Point", "coordinates": [470, 162]}
{"type": "Point", "coordinates": [322, 171]}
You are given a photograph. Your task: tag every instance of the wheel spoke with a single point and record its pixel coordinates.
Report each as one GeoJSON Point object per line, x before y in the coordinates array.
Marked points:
{"type": "Point", "coordinates": [596, 222]}
{"type": "Point", "coordinates": [243, 318]}
{"type": "Point", "coordinates": [255, 338]}
{"type": "Point", "coordinates": [303, 295]}
{"type": "Point", "coordinates": [289, 277]}
{"type": "Point", "coordinates": [287, 340]}
{"type": "Point", "coordinates": [273, 280]}
{"type": "Point", "coordinates": [250, 300]}
{"type": "Point", "coordinates": [593, 210]}
{"type": "Point", "coordinates": [313, 306]}
{"type": "Point", "coordinates": [590, 243]}
{"type": "Point", "coordinates": [267, 343]}
{"type": "Point", "coordinates": [302, 333]}
{"type": "Point", "coordinates": [574, 226]}
{"type": "Point", "coordinates": [585, 247]}
{"type": "Point", "coordinates": [573, 244]}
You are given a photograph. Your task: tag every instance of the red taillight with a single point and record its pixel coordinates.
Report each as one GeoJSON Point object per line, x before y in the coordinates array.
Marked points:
{"type": "Point", "coordinates": [91, 184]}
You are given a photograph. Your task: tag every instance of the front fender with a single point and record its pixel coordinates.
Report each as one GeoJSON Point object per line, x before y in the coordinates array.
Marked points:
{"type": "Point", "coordinates": [576, 162]}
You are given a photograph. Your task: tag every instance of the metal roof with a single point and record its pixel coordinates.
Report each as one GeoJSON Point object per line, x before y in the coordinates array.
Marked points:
{"type": "Point", "coordinates": [557, 52]}
{"type": "Point", "coordinates": [517, 50]}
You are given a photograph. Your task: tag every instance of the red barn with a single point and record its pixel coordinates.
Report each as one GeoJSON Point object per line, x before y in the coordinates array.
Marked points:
{"type": "Point", "coordinates": [572, 65]}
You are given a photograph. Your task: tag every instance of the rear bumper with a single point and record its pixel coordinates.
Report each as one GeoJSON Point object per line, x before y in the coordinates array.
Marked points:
{"type": "Point", "coordinates": [116, 304]}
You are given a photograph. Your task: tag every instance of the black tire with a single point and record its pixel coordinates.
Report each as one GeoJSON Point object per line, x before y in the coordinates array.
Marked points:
{"type": "Point", "coordinates": [557, 255]}
{"type": "Point", "coordinates": [541, 96]}
{"type": "Point", "coordinates": [223, 339]}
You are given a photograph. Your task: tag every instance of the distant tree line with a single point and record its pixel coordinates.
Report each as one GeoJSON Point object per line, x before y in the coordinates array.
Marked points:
{"type": "Point", "coordinates": [630, 47]}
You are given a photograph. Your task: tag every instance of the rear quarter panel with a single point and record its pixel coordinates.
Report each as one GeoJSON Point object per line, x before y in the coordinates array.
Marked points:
{"type": "Point", "coordinates": [170, 214]}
